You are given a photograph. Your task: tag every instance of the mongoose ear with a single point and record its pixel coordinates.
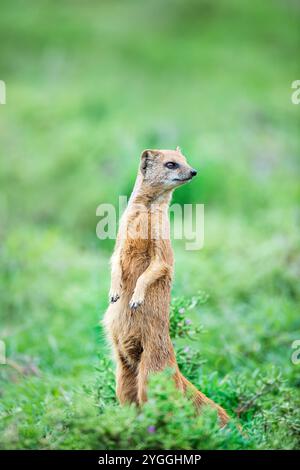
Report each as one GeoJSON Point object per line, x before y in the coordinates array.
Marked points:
{"type": "Point", "coordinates": [147, 158]}
{"type": "Point", "coordinates": [178, 149]}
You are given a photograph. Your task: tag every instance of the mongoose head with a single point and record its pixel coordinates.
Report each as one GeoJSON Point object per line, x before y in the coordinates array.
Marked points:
{"type": "Point", "coordinates": [166, 168]}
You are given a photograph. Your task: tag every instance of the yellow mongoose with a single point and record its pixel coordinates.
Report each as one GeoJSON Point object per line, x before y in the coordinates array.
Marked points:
{"type": "Point", "coordinates": [137, 320]}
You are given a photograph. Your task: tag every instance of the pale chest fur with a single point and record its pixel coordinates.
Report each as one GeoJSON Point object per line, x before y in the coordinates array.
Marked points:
{"type": "Point", "coordinates": [146, 230]}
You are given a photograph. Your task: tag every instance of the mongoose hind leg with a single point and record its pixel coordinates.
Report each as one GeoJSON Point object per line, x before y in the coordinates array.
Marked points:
{"type": "Point", "coordinates": [151, 362]}
{"type": "Point", "coordinates": [126, 381]}
{"type": "Point", "coordinates": [129, 352]}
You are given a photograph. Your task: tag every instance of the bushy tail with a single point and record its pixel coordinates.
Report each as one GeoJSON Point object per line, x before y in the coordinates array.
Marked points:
{"type": "Point", "coordinates": [199, 400]}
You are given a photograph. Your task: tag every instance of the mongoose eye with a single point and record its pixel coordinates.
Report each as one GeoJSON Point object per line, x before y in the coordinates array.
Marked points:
{"type": "Point", "coordinates": [172, 165]}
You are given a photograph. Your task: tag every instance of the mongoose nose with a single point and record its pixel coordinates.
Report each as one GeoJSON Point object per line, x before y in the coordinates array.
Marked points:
{"type": "Point", "coordinates": [193, 172]}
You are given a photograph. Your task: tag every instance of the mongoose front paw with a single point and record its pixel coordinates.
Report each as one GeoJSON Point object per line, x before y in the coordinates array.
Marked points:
{"type": "Point", "coordinates": [135, 303]}
{"type": "Point", "coordinates": [113, 297]}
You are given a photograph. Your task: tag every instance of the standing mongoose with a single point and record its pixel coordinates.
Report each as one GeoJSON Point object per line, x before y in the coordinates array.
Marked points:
{"type": "Point", "coordinates": [137, 319]}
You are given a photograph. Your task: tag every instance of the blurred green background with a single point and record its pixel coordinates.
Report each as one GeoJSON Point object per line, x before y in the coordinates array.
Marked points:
{"type": "Point", "coordinates": [89, 86]}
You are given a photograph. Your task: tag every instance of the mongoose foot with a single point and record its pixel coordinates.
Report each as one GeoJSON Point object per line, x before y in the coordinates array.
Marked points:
{"type": "Point", "coordinates": [137, 298]}
{"type": "Point", "coordinates": [114, 297]}
{"type": "Point", "coordinates": [134, 304]}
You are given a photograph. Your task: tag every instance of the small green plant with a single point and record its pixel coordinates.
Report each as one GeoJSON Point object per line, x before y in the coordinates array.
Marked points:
{"type": "Point", "coordinates": [105, 386]}
{"type": "Point", "coordinates": [181, 325]}
{"type": "Point", "coordinates": [167, 421]}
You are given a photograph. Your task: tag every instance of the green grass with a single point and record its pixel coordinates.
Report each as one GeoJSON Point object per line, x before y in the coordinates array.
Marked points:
{"type": "Point", "coordinates": [89, 86]}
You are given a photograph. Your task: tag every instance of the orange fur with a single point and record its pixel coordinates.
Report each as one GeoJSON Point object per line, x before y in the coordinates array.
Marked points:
{"type": "Point", "coordinates": [137, 320]}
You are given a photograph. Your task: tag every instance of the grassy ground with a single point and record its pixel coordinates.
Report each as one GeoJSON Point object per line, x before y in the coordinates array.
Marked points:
{"type": "Point", "coordinates": [89, 85]}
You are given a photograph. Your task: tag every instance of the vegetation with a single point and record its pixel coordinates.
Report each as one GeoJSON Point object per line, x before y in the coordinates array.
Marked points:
{"type": "Point", "coordinates": [90, 85]}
